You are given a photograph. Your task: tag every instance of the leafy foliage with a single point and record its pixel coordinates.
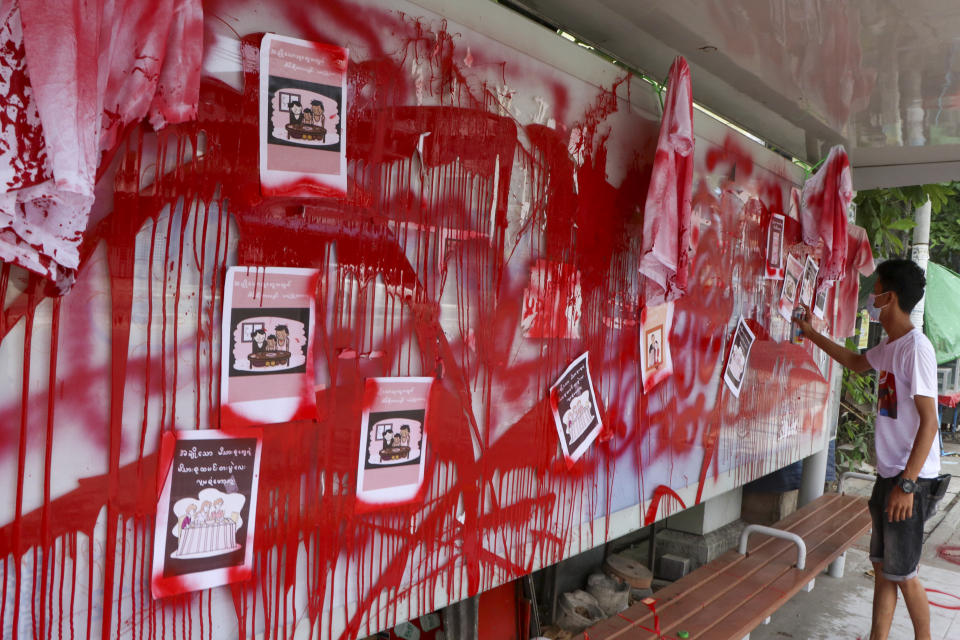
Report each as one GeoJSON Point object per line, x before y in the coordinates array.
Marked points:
{"type": "Point", "coordinates": [855, 425]}
{"type": "Point", "coordinates": [887, 214]}
{"type": "Point", "coordinates": [945, 233]}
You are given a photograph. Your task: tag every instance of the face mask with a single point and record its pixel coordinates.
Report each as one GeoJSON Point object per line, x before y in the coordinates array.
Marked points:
{"type": "Point", "coordinates": [872, 309]}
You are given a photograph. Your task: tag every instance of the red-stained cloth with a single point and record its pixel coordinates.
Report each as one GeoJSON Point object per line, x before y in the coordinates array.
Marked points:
{"type": "Point", "coordinates": [665, 256]}
{"type": "Point", "coordinates": [949, 400]}
{"type": "Point", "coordinates": [859, 262]}
{"type": "Point", "coordinates": [77, 73]}
{"type": "Point", "coordinates": [823, 212]}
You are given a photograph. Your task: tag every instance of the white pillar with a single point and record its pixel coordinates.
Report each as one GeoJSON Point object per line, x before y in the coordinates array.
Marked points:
{"type": "Point", "coordinates": [920, 253]}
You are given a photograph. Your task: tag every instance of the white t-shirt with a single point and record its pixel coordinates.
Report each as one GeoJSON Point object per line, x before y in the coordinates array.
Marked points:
{"type": "Point", "coordinates": [906, 367]}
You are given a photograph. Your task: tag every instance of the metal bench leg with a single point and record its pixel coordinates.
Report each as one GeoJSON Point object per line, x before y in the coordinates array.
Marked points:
{"type": "Point", "coordinates": [835, 570]}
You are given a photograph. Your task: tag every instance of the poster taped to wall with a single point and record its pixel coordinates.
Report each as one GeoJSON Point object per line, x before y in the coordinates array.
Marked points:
{"type": "Point", "coordinates": [774, 260]}
{"type": "Point", "coordinates": [552, 302]}
{"type": "Point", "coordinates": [791, 283]}
{"type": "Point", "coordinates": [393, 440]}
{"type": "Point", "coordinates": [267, 360]}
{"type": "Point", "coordinates": [820, 301]}
{"type": "Point", "coordinates": [736, 368]}
{"type": "Point", "coordinates": [809, 282]}
{"type": "Point", "coordinates": [206, 510]}
{"type": "Point", "coordinates": [303, 102]}
{"type": "Point", "coordinates": [575, 410]}
{"type": "Point", "coordinates": [656, 363]}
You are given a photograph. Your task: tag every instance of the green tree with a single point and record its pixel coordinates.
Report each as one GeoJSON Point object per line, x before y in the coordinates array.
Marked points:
{"type": "Point", "coordinates": [887, 215]}
{"type": "Point", "coordinates": [945, 232]}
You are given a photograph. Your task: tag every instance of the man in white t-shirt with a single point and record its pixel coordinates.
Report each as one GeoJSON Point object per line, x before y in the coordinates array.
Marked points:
{"type": "Point", "coordinates": [908, 451]}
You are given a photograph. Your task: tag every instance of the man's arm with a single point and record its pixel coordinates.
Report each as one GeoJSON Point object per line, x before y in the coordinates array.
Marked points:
{"type": "Point", "coordinates": [850, 359]}
{"type": "Point", "coordinates": [900, 505]}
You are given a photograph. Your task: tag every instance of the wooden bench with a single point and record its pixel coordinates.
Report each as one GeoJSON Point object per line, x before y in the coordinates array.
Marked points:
{"type": "Point", "coordinates": [730, 596]}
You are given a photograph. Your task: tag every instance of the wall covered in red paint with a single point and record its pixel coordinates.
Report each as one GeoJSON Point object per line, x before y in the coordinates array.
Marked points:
{"type": "Point", "coordinates": [536, 152]}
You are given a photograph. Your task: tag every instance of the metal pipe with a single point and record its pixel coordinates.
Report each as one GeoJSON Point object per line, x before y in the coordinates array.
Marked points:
{"type": "Point", "coordinates": [776, 533]}
{"type": "Point", "coordinates": [853, 474]}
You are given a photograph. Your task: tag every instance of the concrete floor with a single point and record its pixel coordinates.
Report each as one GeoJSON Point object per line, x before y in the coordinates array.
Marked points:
{"type": "Point", "coordinates": [840, 608]}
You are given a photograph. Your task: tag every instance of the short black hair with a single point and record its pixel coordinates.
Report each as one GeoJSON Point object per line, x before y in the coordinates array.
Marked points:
{"type": "Point", "coordinates": [280, 327]}
{"type": "Point", "coordinates": [905, 278]}
{"type": "Point", "coordinates": [259, 332]}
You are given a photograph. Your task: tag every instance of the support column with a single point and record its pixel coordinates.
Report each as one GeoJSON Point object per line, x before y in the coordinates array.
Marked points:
{"type": "Point", "coordinates": [920, 253]}
{"type": "Point", "coordinates": [813, 477]}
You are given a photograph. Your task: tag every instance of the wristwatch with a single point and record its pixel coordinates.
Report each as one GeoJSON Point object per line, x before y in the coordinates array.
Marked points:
{"type": "Point", "coordinates": [906, 485]}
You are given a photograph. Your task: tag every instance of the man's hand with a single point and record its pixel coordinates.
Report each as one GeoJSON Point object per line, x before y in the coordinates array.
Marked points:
{"type": "Point", "coordinates": [899, 505]}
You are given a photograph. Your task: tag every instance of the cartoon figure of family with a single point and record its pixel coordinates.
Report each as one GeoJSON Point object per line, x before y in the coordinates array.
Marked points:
{"type": "Point", "coordinates": [396, 446]}
{"type": "Point", "coordinates": [579, 416]}
{"type": "Point", "coordinates": [307, 124]}
{"type": "Point", "coordinates": [205, 529]}
{"type": "Point", "coordinates": [270, 350]}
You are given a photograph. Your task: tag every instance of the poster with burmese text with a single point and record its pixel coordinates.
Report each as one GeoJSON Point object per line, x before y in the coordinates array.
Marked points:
{"type": "Point", "coordinates": [204, 529]}
{"type": "Point", "coordinates": [303, 106]}
{"type": "Point", "coordinates": [267, 365]}
{"type": "Point", "coordinates": [393, 440]}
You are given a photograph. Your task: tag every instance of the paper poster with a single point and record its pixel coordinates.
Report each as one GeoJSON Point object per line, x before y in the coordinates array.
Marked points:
{"type": "Point", "coordinates": [808, 283]}
{"type": "Point", "coordinates": [791, 282]}
{"type": "Point", "coordinates": [551, 303]}
{"type": "Point", "coordinates": [575, 410]}
{"type": "Point", "coordinates": [774, 263]}
{"type": "Point", "coordinates": [267, 360]}
{"type": "Point", "coordinates": [205, 515]}
{"type": "Point", "coordinates": [863, 337]}
{"type": "Point", "coordinates": [393, 440]}
{"type": "Point", "coordinates": [820, 301]}
{"type": "Point", "coordinates": [656, 363]}
{"type": "Point", "coordinates": [303, 106]}
{"type": "Point", "coordinates": [739, 356]}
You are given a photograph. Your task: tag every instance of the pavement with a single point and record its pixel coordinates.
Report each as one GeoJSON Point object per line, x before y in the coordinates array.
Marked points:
{"type": "Point", "coordinates": [840, 608]}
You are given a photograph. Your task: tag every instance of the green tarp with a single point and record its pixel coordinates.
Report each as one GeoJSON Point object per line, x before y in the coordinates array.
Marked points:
{"type": "Point", "coordinates": [941, 312]}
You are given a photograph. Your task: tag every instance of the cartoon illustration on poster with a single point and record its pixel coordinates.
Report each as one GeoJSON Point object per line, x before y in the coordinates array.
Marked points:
{"type": "Point", "coordinates": [551, 303]}
{"type": "Point", "coordinates": [303, 106]}
{"type": "Point", "coordinates": [736, 368]}
{"type": "Point", "coordinates": [774, 270]}
{"type": "Point", "coordinates": [656, 363]}
{"type": "Point", "coordinates": [820, 302]}
{"type": "Point", "coordinates": [205, 513]}
{"type": "Point", "coordinates": [393, 439]}
{"type": "Point", "coordinates": [266, 375]}
{"type": "Point", "coordinates": [809, 282]}
{"type": "Point", "coordinates": [791, 282]}
{"type": "Point", "coordinates": [575, 410]}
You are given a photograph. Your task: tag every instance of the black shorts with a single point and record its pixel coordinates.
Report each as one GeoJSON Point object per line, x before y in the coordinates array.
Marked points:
{"type": "Point", "coordinates": [896, 546]}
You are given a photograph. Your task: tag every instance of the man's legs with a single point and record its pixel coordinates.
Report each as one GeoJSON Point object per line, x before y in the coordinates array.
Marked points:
{"type": "Point", "coordinates": [884, 604]}
{"type": "Point", "coordinates": [895, 549]}
{"type": "Point", "coordinates": [918, 605]}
